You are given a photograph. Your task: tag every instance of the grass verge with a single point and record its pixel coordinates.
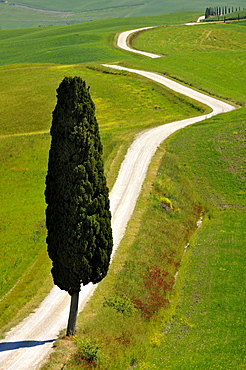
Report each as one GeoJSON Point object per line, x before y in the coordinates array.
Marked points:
{"type": "Point", "coordinates": [206, 331]}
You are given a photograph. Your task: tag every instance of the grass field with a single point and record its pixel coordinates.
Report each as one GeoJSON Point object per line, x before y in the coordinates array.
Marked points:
{"type": "Point", "coordinates": [207, 329]}
{"type": "Point", "coordinates": [202, 326]}
{"type": "Point", "coordinates": [27, 103]}
{"type": "Point", "coordinates": [27, 100]}
{"type": "Point", "coordinates": [76, 44]}
{"type": "Point", "coordinates": [214, 53]}
{"type": "Point", "coordinates": [55, 12]}
{"type": "Point", "coordinates": [202, 169]}
{"type": "Point", "coordinates": [13, 17]}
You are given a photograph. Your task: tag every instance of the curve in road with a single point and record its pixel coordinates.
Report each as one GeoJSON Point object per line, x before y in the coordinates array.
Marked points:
{"type": "Point", "coordinates": [122, 42]}
{"type": "Point", "coordinates": [27, 346]}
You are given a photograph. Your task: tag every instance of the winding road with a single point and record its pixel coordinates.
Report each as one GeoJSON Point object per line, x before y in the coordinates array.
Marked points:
{"type": "Point", "coordinates": [27, 346]}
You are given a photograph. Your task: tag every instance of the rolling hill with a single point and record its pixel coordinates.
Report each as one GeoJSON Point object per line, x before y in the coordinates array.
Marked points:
{"type": "Point", "coordinates": [30, 13]}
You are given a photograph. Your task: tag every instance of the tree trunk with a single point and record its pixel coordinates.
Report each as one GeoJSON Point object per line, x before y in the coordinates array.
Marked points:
{"type": "Point", "coordinates": [71, 326]}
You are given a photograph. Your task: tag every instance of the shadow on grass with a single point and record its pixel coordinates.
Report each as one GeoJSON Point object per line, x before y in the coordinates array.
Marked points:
{"type": "Point", "coordinates": [8, 346]}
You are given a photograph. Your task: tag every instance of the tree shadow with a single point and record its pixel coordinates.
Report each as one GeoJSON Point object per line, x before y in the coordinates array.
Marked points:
{"type": "Point", "coordinates": [8, 346]}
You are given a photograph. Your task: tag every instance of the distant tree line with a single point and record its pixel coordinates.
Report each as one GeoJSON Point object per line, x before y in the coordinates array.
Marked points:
{"type": "Point", "coordinates": [220, 10]}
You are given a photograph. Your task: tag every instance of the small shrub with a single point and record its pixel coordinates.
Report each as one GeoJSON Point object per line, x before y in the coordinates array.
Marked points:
{"type": "Point", "coordinates": [120, 304]}
{"type": "Point", "coordinates": [88, 352]}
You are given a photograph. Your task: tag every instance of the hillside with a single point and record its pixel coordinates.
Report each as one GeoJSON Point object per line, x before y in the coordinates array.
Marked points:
{"type": "Point", "coordinates": [200, 168]}
{"type": "Point", "coordinates": [28, 93]}
{"type": "Point", "coordinates": [30, 13]}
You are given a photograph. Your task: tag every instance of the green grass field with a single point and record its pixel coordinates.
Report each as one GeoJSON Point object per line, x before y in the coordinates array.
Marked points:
{"type": "Point", "coordinates": [27, 100]}
{"type": "Point", "coordinates": [203, 167]}
{"type": "Point", "coordinates": [214, 53]}
{"type": "Point", "coordinates": [56, 12]}
{"type": "Point", "coordinates": [202, 327]}
{"type": "Point", "coordinates": [207, 329]}
{"type": "Point", "coordinates": [76, 44]}
{"type": "Point", "coordinates": [200, 168]}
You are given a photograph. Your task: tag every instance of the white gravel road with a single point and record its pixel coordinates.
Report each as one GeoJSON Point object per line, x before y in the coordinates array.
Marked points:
{"type": "Point", "coordinates": [27, 346]}
{"type": "Point", "coordinates": [122, 42]}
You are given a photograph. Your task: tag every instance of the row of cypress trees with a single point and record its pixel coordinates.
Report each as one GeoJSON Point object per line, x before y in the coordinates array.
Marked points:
{"type": "Point", "coordinates": [220, 10]}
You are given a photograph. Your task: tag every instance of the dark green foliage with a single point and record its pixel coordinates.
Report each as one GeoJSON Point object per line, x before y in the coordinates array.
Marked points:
{"type": "Point", "coordinates": [77, 216]}
{"type": "Point", "coordinates": [218, 11]}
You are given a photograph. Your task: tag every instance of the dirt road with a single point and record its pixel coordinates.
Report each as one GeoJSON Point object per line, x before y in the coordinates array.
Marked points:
{"type": "Point", "coordinates": [28, 345]}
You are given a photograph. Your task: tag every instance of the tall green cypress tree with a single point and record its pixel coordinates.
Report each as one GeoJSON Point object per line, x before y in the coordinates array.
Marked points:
{"type": "Point", "coordinates": [207, 13]}
{"type": "Point", "coordinates": [78, 218]}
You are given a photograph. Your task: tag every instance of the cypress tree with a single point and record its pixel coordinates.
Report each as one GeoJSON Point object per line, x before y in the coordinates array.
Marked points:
{"type": "Point", "coordinates": [207, 13]}
{"type": "Point", "coordinates": [78, 219]}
